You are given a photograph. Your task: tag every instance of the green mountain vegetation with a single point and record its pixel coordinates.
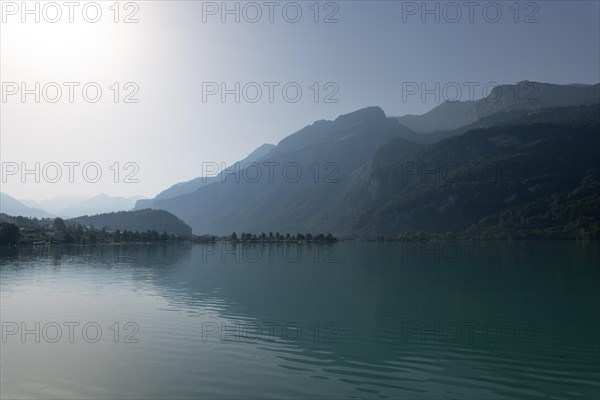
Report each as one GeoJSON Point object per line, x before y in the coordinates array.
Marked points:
{"type": "Point", "coordinates": [535, 180]}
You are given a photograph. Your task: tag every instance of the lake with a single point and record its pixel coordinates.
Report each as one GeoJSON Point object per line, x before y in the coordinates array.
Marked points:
{"type": "Point", "coordinates": [431, 320]}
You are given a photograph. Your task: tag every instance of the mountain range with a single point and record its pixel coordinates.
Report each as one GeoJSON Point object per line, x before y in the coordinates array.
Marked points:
{"type": "Point", "coordinates": [11, 206]}
{"type": "Point", "coordinates": [525, 95]}
{"type": "Point", "coordinates": [520, 163]}
{"type": "Point", "coordinates": [66, 206]}
{"type": "Point", "coordinates": [348, 165]}
{"type": "Point", "coordinates": [532, 177]}
{"type": "Point", "coordinates": [70, 207]}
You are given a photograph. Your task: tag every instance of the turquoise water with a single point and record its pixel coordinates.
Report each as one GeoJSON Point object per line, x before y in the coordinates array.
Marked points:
{"type": "Point", "coordinates": [353, 320]}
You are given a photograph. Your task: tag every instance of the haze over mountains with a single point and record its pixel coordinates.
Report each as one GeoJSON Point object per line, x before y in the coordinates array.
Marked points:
{"type": "Point", "coordinates": [338, 181]}
{"type": "Point", "coordinates": [182, 188]}
{"type": "Point", "coordinates": [66, 206]}
{"type": "Point", "coordinates": [524, 95]}
{"type": "Point", "coordinates": [11, 206]}
{"type": "Point", "coordinates": [365, 174]}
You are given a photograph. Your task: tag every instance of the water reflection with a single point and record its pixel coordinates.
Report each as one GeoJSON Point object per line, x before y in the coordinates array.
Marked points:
{"type": "Point", "coordinates": [364, 320]}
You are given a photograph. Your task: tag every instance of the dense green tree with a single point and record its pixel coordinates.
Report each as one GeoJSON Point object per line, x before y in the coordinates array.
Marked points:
{"type": "Point", "coordinates": [60, 226]}
{"type": "Point", "coordinates": [9, 233]}
{"type": "Point", "coordinates": [69, 238]}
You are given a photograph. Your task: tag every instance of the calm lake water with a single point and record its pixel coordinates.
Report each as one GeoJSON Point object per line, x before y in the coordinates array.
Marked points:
{"type": "Point", "coordinates": [353, 320]}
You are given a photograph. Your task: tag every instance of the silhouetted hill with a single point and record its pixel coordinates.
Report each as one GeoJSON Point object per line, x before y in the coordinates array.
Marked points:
{"type": "Point", "coordinates": [140, 220]}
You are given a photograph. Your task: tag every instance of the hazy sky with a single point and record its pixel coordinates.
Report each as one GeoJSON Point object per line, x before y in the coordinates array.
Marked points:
{"type": "Point", "coordinates": [178, 49]}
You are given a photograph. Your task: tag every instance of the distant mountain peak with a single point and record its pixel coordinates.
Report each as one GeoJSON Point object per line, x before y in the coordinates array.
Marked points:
{"type": "Point", "coordinates": [367, 114]}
